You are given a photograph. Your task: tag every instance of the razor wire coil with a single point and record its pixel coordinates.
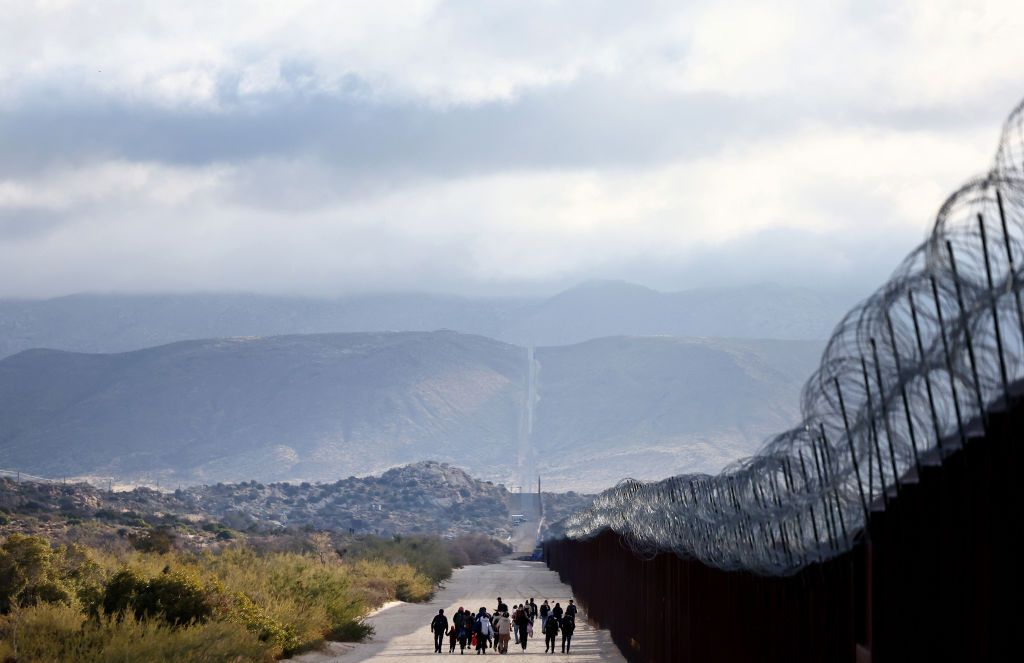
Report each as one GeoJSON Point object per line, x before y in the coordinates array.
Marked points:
{"type": "Point", "coordinates": [906, 378]}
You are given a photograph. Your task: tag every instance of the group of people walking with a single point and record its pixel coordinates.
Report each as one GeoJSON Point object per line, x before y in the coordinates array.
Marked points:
{"type": "Point", "coordinates": [483, 630]}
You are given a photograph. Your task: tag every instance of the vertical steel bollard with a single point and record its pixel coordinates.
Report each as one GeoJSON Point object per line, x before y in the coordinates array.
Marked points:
{"type": "Point", "coordinates": [949, 362]}
{"type": "Point", "coordinates": [885, 417]}
{"type": "Point", "coordinates": [853, 452]}
{"type": "Point", "coordinates": [903, 392]}
{"type": "Point", "coordinates": [927, 374]}
{"type": "Point", "coordinates": [1009, 261]}
{"type": "Point", "coordinates": [967, 336]}
{"type": "Point", "coordinates": [995, 312]}
{"type": "Point", "coordinates": [874, 439]}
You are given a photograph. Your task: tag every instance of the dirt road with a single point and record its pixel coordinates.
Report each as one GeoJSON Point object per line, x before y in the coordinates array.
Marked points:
{"type": "Point", "coordinates": [403, 634]}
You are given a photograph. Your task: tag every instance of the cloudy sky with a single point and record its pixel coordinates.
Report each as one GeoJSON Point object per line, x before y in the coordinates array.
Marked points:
{"type": "Point", "coordinates": [329, 147]}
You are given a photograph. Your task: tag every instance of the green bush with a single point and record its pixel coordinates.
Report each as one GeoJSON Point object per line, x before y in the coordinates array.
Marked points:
{"type": "Point", "coordinates": [426, 554]}
{"type": "Point", "coordinates": [159, 541]}
{"type": "Point", "coordinates": [177, 598]}
{"type": "Point", "coordinates": [242, 610]}
{"type": "Point", "coordinates": [29, 574]}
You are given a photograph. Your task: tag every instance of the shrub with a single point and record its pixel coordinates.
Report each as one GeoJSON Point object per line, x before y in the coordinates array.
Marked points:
{"type": "Point", "coordinates": [242, 610]}
{"type": "Point", "coordinates": [428, 555]}
{"type": "Point", "coordinates": [159, 541]}
{"type": "Point", "coordinates": [28, 574]}
{"type": "Point", "coordinates": [477, 549]}
{"type": "Point", "coordinates": [177, 598]}
{"type": "Point", "coordinates": [62, 633]}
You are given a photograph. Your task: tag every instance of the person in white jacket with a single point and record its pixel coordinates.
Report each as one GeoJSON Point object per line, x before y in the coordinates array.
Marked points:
{"type": "Point", "coordinates": [483, 631]}
{"type": "Point", "coordinates": [504, 632]}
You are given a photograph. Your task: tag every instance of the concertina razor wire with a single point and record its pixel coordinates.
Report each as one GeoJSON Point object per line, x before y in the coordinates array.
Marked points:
{"type": "Point", "coordinates": [906, 378]}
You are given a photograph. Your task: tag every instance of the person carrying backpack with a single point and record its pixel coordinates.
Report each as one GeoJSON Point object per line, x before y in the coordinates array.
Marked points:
{"type": "Point", "coordinates": [483, 631]}
{"type": "Point", "coordinates": [568, 626]}
{"type": "Point", "coordinates": [523, 622]}
{"type": "Point", "coordinates": [550, 632]}
{"type": "Point", "coordinates": [557, 612]}
{"type": "Point", "coordinates": [515, 626]}
{"type": "Point", "coordinates": [439, 626]}
{"type": "Point", "coordinates": [465, 633]}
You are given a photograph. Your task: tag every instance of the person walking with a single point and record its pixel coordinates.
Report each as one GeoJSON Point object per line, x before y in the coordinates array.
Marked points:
{"type": "Point", "coordinates": [570, 610]}
{"type": "Point", "coordinates": [439, 626]}
{"type": "Point", "coordinates": [523, 622]}
{"type": "Point", "coordinates": [557, 612]}
{"type": "Point", "coordinates": [515, 624]}
{"type": "Point", "coordinates": [483, 631]}
{"type": "Point", "coordinates": [545, 609]}
{"type": "Point", "coordinates": [533, 609]}
{"type": "Point", "coordinates": [453, 637]}
{"type": "Point", "coordinates": [504, 628]}
{"type": "Point", "coordinates": [550, 633]}
{"type": "Point", "coordinates": [568, 626]}
{"type": "Point", "coordinates": [465, 633]}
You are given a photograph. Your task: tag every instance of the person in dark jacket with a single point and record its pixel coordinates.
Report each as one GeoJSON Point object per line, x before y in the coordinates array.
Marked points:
{"type": "Point", "coordinates": [550, 633]}
{"type": "Point", "coordinates": [570, 610]}
{"type": "Point", "coordinates": [523, 622]}
{"type": "Point", "coordinates": [557, 612]}
{"type": "Point", "coordinates": [439, 626]}
{"type": "Point", "coordinates": [465, 632]}
{"type": "Point", "coordinates": [568, 626]}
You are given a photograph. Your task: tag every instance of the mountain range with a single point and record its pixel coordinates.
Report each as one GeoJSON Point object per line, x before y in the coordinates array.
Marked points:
{"type": "Point", "coordinates": [326, 406]}
{"type": "Point", "coordinates": [119, 323]}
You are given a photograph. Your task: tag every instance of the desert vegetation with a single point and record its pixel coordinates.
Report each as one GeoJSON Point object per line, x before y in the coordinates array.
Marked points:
{"type": "Point", "coordinates": [248, 600]}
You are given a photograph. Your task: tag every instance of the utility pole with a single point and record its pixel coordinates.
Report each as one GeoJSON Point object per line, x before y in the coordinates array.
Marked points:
{"type": "Point", "coordinates": [540, 501]}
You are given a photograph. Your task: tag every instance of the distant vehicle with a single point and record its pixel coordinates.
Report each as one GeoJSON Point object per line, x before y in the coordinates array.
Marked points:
{"type": "Point", "coordinates": [518, 519]}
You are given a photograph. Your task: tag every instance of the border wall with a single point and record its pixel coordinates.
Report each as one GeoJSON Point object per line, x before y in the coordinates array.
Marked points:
{"type": "Point", "coordinates": [934, 577]}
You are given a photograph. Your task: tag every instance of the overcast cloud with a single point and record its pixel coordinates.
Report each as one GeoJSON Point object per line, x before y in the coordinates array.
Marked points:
{"type": "Point", "coordinates": [330, 147]}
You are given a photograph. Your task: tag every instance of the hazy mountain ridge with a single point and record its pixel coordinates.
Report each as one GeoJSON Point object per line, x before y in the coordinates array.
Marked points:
{"type": "Point", "coordinates": [118, 323]}
{"type": "Point", "coordinates": [320, 407]}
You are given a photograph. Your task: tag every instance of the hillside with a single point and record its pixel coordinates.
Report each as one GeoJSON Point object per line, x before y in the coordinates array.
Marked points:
{"type": "Point", "coordinates": [662, 406]}
{"type": "Point", "coordinates": [119, 323]}
{"type": "Point", "coordinates": [322, 407]}
{"type": "Point", "coordinates": [422, 498]}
